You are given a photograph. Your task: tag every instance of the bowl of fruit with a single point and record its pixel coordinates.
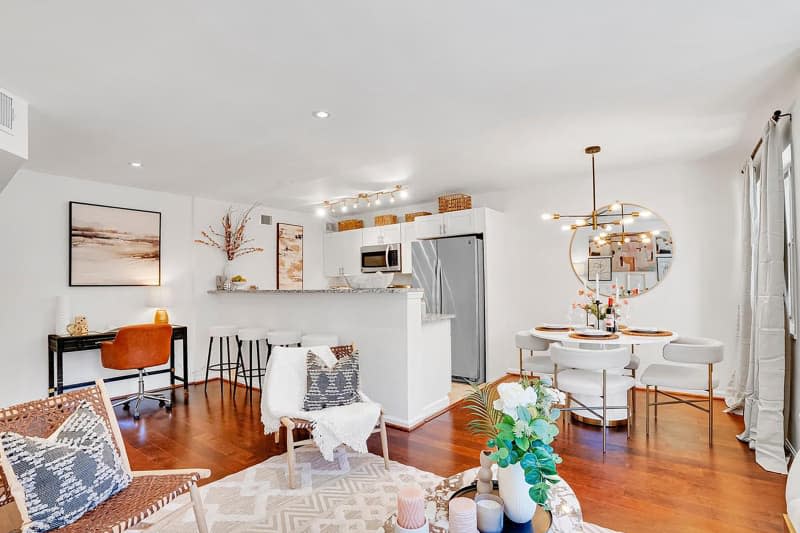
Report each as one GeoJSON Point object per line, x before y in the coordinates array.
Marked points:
{"type": "Point", "coordinates": [238, 281]}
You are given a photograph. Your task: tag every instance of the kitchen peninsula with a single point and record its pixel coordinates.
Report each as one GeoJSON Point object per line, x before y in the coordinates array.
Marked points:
{"type": "Point", "coordinates": [404, 353]}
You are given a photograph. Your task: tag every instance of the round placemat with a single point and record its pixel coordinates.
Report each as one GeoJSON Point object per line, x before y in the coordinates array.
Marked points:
{"type": "Point", "coordinates": [578, 336]}
{"type": "Point", "coordinates": [645, 334]}
{"type": "Point", "coordinates": [554, 330]}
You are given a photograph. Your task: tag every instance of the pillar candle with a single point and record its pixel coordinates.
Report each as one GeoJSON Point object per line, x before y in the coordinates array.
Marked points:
{"type": "Point", "coordinates": [490, 513]}
{"type": "Point", "coordinates": [462, 515]}
{"type": "Point", "coordinates": [411, 507]}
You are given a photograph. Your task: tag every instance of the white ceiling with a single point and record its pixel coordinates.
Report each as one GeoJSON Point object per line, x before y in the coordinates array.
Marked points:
{"type": "Point", "coordinates": [216, 98]}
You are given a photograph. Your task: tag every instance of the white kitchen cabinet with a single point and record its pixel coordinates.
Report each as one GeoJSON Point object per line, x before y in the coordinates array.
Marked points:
{"type": "Point", "coordinates": [342, 253]}
{"type": "Point", "coordinates": [376, 235]}
{"type": "Point", "coordinates": [466, 222]}
{"type": "Point", "coordinates": [428, 227]}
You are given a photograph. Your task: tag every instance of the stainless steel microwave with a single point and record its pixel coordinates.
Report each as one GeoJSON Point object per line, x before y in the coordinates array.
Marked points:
{"type": "Point", "coordinates": [381, 258]}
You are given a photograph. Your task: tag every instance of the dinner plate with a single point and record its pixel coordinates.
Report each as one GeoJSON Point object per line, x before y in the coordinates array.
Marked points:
{"type": "Point", "coordinates": [589, 332]}
{"type": "Point", "coordinates": [639, 329]}
{"type": "Point", "coordinates": [549, 325]}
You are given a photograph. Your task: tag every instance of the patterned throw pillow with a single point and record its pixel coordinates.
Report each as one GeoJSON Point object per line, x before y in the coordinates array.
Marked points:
{"type": "Point", "coordinates": [331, 387]}
{"type": "Point", "coordinates": [68, 474]}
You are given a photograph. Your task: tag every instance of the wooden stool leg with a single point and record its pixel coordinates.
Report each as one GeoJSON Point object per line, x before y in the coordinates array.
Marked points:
{"type": "Point", "coordinates": [384, 443]}
{"type": "Point", "coordinates": [290, 451]}
{"type": "Point", "coordinates": [278, 436]}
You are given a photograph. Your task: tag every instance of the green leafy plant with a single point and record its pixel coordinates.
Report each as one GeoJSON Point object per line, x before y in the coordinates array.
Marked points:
{"type": "Point", "coordinates": [519, 420]}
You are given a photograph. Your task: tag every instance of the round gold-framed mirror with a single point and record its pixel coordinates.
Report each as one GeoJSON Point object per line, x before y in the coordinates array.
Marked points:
{"type": "Point", "coordinates": [629, 253]}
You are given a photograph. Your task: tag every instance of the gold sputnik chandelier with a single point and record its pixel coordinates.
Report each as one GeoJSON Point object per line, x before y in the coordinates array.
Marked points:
{"type": "Point", "coordinates": [364, 199]}
{"type": "Point", "coordinates": [606, 219]}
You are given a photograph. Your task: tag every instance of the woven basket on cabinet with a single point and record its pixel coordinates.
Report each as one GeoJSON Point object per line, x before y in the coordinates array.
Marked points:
{"type": "Point", "coordinates": [350, 223]}
{"type": "Point", "coordinates": [454, 202]}
{"type": "Point", "coordinates": [385, 220]}
{"type": "Point", "coordinates": [411, 216]}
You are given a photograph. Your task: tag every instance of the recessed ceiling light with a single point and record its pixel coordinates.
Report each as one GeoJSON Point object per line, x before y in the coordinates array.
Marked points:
{"type": "Point", "coordinates": [136, 164]}
{"type": "Point", "coordinates": [321, 114]}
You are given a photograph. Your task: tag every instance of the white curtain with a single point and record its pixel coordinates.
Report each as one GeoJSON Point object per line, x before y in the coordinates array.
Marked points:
{"type": "Point", "coordinates": [758, 382]}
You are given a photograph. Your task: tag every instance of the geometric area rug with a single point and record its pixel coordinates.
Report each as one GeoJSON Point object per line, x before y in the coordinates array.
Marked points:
{"type": "Point", "coordinates": [353, 494]}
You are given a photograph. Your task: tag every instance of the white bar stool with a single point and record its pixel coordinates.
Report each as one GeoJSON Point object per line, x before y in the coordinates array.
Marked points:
{"type": "Point", "coordinates": [282, 337]}
{"type": "Point", "coordinates": [695, 351]}
{"type": "Point", "coordinates": [588, 376]}
{"type": "Point", "coordinates": [319, 339]}
{"type": "Point", "coordinates": [250, 336]}
{"type": "Point", "coordinates": [220, 332]}
{"type": "Point", "coordinates": [535, 364]}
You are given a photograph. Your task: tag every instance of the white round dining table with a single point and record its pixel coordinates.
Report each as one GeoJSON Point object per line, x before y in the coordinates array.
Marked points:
{"type": "Point", "coordinates": [623, 340]}
{"type": "Point", "coordinates": [616, 416]}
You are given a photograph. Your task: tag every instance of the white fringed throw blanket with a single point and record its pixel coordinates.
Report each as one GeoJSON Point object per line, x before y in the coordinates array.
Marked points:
{"type": "Point", "coordinates": [283, 394]}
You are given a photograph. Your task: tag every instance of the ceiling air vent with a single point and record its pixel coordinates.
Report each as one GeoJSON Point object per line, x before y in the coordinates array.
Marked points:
{"type": "Point", "coordinates": [6, 113]}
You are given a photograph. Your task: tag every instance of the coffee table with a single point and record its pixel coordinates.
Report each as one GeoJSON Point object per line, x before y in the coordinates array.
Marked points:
{"type": "Point", "coordinates": [565, 513]}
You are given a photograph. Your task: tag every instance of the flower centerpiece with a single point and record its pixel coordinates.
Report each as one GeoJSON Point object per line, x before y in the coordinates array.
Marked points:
{"type": "Point", "coordinates": [592, 305]}
{"type": "Point", "coordinates": [519, 420]}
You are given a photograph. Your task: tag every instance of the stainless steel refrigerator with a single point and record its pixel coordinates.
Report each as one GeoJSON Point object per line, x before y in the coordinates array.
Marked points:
{"type": "Point", "coordinates": [450, 270]}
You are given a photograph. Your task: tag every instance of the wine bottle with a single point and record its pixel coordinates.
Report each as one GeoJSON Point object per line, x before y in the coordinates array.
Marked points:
{"type": "Point", "coordinates": [611, 322]}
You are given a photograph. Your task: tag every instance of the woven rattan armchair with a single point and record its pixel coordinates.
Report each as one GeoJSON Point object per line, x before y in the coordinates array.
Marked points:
{"type": "Point", "coordinates": [298, 423]}
{"type": "Point", "coordinates": [148, 492]}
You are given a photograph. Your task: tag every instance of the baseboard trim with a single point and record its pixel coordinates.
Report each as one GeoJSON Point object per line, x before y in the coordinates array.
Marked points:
{"type": "Point", "coordinates": [439, 407]}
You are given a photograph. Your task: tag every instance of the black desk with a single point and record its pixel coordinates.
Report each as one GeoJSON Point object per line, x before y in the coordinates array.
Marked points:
{"type": "Point", "coordinates": [58, 345]}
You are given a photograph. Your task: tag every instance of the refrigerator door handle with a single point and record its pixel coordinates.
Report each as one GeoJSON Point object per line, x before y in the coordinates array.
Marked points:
{"type": "Point", "coordinates": [438, 287]}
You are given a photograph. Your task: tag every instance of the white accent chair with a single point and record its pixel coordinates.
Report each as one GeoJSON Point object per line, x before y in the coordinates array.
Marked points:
{"type": "Point", "coordinates": [588, 374]}
{"type": "Point", "coordinates": [319, 339]}
{"type": "Point", "coordinates": [250, 336]}
{"type": "Point", "coordinates": [536, 364]}
{"type": "Point", "coordinates": [280, 404]}
{"type": "Point", "coordinates": [695, 351]}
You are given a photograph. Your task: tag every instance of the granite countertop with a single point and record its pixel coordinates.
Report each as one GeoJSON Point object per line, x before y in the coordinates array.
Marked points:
{"type": "Point", "coordinates": [319, 291]}
{"type": "Point", "coordinates": [433, 317]}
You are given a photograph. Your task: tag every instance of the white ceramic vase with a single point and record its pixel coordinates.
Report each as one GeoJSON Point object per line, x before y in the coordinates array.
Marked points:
{"type": "Point", "coordinates": [518, 505]}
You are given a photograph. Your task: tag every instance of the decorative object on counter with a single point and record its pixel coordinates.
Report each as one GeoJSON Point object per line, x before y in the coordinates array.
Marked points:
{"type": "Point", "coordinates": [410, 217]}
{"type": "Point", "coordinates": [519, 420]}
{"type": "Point", "coordinates": [454, 202]}
{"type": "Point", "coordinates": [385, 220]}
{"type": "Point", "coordinates": [411, 510]}
{"type": "Point", "coordinates": [113, 246]}
{"type": "Point", "coordinates": [484, 480]}
{"type": "Point", "coordinates": [376, 280]}
{"type": "Point", "coordinates": [463, 516]}
{"type": "Point", "coordinates": [350, 223]}
{"type": "Point", "coordinates": [159, 298]}
{"type": "Point", "coordinates": [62, 315]}
{"type": "Point", "coordinates": [232, 238]}
{"type": "Point", "coordinates": [237, 282]}
{"type": "Point", "coordinates": [220, 282]}
{"type": "Point", "coordinates": [490, 513]}
{"type": "Point", "coordinates": [290, 257]}
{"type": "Point", "coordinates": [367, 199]}
{"type": "Point", "coordinates": [78, 327]}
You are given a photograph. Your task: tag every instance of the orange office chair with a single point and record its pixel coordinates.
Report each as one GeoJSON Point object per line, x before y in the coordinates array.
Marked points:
{"type": "Point", "coordinates": [139, 347]}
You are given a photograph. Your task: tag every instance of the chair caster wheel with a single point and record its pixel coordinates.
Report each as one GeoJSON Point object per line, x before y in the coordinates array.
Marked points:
{"type": "Point", "coordinates": [169, 408]}
{"type": "Point", "coordinates": [136, 417]}
{"type": "Point", "coordinates": [161, 403]}
{"type": "Point", "coordinates": [126, 406]}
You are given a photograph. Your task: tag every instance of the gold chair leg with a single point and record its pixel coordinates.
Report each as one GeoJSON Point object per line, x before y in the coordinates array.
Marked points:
{"type": "Point", "coordinates": [384, 443]}
{"type": "Point", "coordinates": [628, 411]}
{"type": "Point", "coordinates": [655, 404]}
{"type": "Point", "coordinates": [710, 406]}
{"type": "Point", "coordinates": [605, 422]}
{"type": "Point", "coordinates": [197, 506]}
{"type": "Point", "coordinates": [633, 393]}
{"type": "Point", "coordinates": [647, 410]}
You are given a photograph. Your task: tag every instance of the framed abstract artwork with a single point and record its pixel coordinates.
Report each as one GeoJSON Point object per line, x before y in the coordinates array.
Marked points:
{"type": "Point", "coordinates": [113, 246]}
{"type": "Point", "coordinates": [290, 257]}
{"type": "Point", "coordinates": [598, 267]}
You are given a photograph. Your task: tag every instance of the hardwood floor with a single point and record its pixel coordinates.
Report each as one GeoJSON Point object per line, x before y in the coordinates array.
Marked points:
{"type": "Point", "coordinates": [669, 482]}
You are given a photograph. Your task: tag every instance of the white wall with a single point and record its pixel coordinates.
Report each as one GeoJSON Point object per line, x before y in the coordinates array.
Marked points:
{"type": "Point", "coordinates": [699, 297]}
{"type": "Point", "coordinates": [33, 270]}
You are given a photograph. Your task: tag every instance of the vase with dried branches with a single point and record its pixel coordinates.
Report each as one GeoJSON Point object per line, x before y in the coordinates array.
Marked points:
{"type": "Point", "coordinates": [232, 239]}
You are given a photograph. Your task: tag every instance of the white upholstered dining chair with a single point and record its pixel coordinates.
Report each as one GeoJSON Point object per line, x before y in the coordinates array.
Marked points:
{"type": "Point", "coordinates": [588, 374]}
{"type": "Point", "coordinates": [695, 351]}
{"type": "Point", "coordinates": [535, 363]}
